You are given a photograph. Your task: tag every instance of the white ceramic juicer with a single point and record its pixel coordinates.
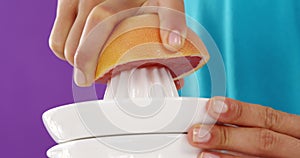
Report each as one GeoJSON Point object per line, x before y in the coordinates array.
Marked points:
{"type": "Point", "coordinates": [130, 122]}
{"type": "Point", "coordinates": [141, 116]}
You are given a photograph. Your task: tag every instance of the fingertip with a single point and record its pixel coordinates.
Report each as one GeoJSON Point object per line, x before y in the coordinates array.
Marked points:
{"type": "Point", "coordinates": [217, 108]}
{"type": "Point", "coordinates": [172, 24]}
{"type": "Point", "coordinates": [83, 69]}
{"type": "Point", "coordinates": [79, 77]}
{"type": "Point", "coordinates": [66, 14]}
{"type": "Point", "coordinates": [56, 48]}
{"type": "Point", "coordinates": [179, 84]}
{"type": "Point", "coordinates": [173, 40]}
{"type": "Point", "coordinates": [220, 154]}
{"type": "Point", "coordinates": [208, 155]}
{"type": "Point", "coordinates": [212, 100]}
{"type": "Point", "coordinates": [190, 135]}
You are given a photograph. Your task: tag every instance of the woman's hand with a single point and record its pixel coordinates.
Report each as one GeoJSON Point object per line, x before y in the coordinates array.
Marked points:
{"type": "Point", "coordinates": [76, 18]}
{"type": "Point", "coordinates": [262, 131]}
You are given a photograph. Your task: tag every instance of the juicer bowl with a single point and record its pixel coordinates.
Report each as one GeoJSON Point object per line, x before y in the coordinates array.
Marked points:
{"type": "Point", "coordinates": [95, 148]}
{"type": "Point", "coordinates": [109, 118]}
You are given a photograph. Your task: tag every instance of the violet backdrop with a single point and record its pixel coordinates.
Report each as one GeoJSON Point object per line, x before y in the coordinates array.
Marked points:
{"type": "Point", "coordinates": [32, 81]}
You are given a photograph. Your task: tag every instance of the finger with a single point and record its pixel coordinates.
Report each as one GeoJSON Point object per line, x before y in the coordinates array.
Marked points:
{"type": "Point", "coordinates": [216, 155]}
{"type": "Point", "coordinates": [179, 84]}
{"type": "Point", "coordinates": [173, 27]}
{"type": "Point", "coordinates": [252, 141]}
{"type": "Point", "coordinates": [229, 153]}
{"type": "Point", "coordinates": [100, 23]}
{"type": "Point", "coordinates": [245, 114]}
{"type": "Point", "coordinates": [65, 17]}
{"type": "Point", "coordinates": [72, 41]}
{"type": "Point", "coordinates": [172, 23]}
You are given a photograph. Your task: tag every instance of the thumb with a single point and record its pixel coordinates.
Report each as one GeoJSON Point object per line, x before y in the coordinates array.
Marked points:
{"type": "Point", "coordinates": [172, 23]}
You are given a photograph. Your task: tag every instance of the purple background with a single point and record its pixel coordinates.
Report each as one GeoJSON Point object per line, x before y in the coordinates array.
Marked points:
{"type": "Point", "coordinates": [32, 79]}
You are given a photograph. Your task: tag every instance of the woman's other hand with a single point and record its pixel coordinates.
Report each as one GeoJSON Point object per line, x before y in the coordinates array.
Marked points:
{"type": "Point", "coordinates": [254, 130]}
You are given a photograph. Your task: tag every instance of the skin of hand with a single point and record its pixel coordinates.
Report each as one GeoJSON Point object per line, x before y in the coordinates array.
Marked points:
{"type": "Point", "coordinates": [75, 19]}
{"type": "Point", "coordinates": [246, 128]}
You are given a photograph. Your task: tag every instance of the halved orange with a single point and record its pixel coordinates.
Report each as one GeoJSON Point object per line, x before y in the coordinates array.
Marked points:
{"type": "Point", "coordinates": [136, 42]}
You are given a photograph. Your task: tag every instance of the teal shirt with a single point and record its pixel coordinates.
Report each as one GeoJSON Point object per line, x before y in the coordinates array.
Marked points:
{"type": "Point", "coordinates": [260, 44]}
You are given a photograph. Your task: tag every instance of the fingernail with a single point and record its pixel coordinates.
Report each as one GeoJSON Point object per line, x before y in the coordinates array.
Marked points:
{"type": "Point", "coordinates": [201, 135]}
{"type": "Point", "coordinates": [79, 77]}
{"type": "Point", "coordinates": [219, 106]}
{"type": "Point", "coordinates": [208, 155]}
{"type": "Point", "coordinates": [175, 39]}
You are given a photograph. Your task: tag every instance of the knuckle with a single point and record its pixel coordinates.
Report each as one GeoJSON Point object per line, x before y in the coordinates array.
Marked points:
{"type": "Point", "coordinates": [223, 136]}
{"type": "Point", "coordinates": [99, 13]}
{"type": "Point", "coordinates": [88, 5]}
{"type": "Point", "coordinates": [267, 141]}
{"type": "Point", "coordinates": [271, 118]}
{"type": "Point", "coordinates": [237, 111]}
{"type": "Point", "coordinates": [68, 3]}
